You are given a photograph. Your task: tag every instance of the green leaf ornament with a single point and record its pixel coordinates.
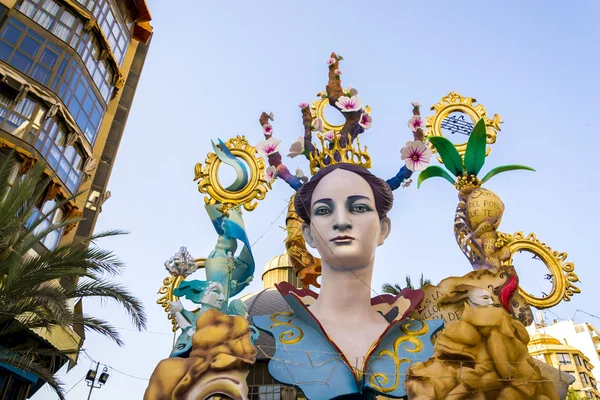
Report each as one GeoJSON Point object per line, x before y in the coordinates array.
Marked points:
{"type": "Point", "coordinates": [434, 171]}
{"type": "Point", "coordinates": [448, 153]}
{"type": "Point", "coordinates": [498, 170]}
{"type": "Point", "coordinates": [475, 152]}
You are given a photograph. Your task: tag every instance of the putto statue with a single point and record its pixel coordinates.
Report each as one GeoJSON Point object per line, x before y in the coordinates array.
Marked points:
{"type": "Point", "coordinates": [463, 338]}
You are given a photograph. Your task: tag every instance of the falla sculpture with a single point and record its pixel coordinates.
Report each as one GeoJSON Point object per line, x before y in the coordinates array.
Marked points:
{"type": "Point", "coordinates": [463, 338]}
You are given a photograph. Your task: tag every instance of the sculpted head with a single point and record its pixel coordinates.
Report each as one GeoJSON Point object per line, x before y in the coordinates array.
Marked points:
{"type": "Point", "coordinates": [202, 292]}
{"type": "Point", "coordinates": [344, 208]}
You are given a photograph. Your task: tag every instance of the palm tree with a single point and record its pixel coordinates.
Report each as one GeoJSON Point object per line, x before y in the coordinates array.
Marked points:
{"type": "Point", "coordinates": [395, 288]}
{"type": "Point", "coordinates": [36, 289]}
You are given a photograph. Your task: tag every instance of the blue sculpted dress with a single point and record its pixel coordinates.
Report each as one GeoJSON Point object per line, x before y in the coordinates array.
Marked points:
{"type": "Point", "coordinates": [307, 358]}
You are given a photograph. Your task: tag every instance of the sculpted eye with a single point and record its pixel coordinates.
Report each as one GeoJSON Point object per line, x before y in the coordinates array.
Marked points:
{"type": "Point", "coordinates": [360, 208]}
{"type": "Point", "coordinates": [322, 211]}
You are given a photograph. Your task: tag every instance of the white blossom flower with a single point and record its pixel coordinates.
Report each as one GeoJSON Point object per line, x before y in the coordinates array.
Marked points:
{"type": "Point", "coordinates": [331, 61]}
{"type": "Point", "coordinates": [268, 147]}
{"type": "Point", "coordinates": [267, 129]}
{"type": "Point", "coordinates": [365, 120]}
{"type": "Point", "coordinates": [415, 123]}
{"type": "Point", "coordinates": [303, 105]}
{"type": "Point", "coordinates": [297, 147]}
{"type": "Point", "coordinates": [349, 104]}
{"type": "Point", "coordinates": [300, 175]}
{"type": "Point", "coordinates": [318, 125]}
{"type": "Point", "coordinates": [329, 136]}
{"type": "Point", "coordinates": [416, 155]}
{"type": "Point", "coordinates": [271, 173]}
{"type": "Point", "coordinates": [338, 72]}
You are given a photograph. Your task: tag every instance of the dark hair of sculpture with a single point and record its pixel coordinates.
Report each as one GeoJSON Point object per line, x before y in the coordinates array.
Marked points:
{"type": "Point", "coordinates": [384, 199]}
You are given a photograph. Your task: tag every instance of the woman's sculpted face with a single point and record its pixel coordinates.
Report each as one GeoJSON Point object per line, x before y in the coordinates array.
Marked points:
{"type": "Point", "coordinates": [345, 226]}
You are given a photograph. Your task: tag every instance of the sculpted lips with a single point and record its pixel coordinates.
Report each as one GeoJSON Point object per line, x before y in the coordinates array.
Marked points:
{"type": "Point", "coordinates": [343, 239]}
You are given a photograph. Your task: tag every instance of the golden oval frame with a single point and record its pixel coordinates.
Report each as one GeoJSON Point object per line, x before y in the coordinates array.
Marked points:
{"type": "Point", "coordinates": [562, 272]}
{"type": "Point", "coordinates": [255, 189]}
{"type": "Point", "coordinates": [318, 111]}
{"type": "Point", "coordinates": [454, 102]}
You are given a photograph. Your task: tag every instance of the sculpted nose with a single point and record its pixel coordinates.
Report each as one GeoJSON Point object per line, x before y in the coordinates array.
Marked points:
{"type": "Point", "coordinates": [341, 222]}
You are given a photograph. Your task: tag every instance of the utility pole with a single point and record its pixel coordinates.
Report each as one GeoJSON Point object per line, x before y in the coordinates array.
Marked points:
{"type": "Point", "coordinates": [91, 378]}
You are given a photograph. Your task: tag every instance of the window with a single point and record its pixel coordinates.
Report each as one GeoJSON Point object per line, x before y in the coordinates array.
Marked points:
{"type": "Point", "coordinates": [65, 160]}
{"type": "Point", "coordinates": [49, 215]}
{"type": "Point", "coordinates": [265, 392]}
{"type": "Point", "coordinates": [112, 26]}
{"type": "Point", "coordinates": [584, 379]}
{"type": "Point", "coordinates": [69, 28]}
{"type": "Point", "coordinates": [563, 358]}
{"type": "Point", "coordinates": [14, 118]}
{"type": "Point", "coordinates": [577, 360]}
{"type": "Point", "coordinates": [51, 66]}
{"type": "Point", "coordinates": [579, 328]}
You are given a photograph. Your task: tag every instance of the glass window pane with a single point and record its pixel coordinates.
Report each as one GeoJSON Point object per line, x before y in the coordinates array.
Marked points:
{"type": "Point", "coordinates": [40, 74]}
{"type": "Point", "coordinates": [29, 46]}
{"type": "Point", "coordinates": [5, 51]}
{"type": "Point", "coordinates": [51, 6]}
{"type": "Point", "coordinates": [49, 58]}
{"type": "Point", "coordinates": [21, 62]}
{"type": "Point", "coordinates": [11, 34]}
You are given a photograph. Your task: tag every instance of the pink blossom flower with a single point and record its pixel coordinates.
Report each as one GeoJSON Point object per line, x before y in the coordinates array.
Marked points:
{"type": "Point", "coordinates": [318, 126]}
{"type": "Point", "coordinates": [268, 147]}
{"type": "Point", "coordinates": [303, 105]}
{"type": "Point", "coordinates": [416, 155]}
{"type": "Point", "coordinates": [329, 136]}
{"type": "Point", "coordinates": [267, 129]}
{"type": "Point", "coordinates": [416, 104]}
{"type": "Point", "coordinates": [338, 72]}
{"type": "Point", "coordinates": [331, 61]}
{"type": "Point", "coordinates": [365, 120]}
{"type": "Point", "coordinates": [297, 147]}
{"type": "Point", "coordinates": [350, 91]}
{"type": "Point", "coordinates": [349, 104]}
{"type": "Point", "coordinates": [415, 123]}
{"type": "Point", "coordinates": [270, 173]}
{"type": "Point", "coordinates": [300, 175]}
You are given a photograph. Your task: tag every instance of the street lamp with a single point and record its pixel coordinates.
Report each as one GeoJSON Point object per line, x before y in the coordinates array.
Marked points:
{"type": "Point", "coordinates": [91, 378]}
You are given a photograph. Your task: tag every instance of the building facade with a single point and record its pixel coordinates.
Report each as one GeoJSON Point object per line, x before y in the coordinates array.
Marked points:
{"type": "Point", "coordinates": [572, 348]}
{"type": "Point", "coordinates": [68, 75]}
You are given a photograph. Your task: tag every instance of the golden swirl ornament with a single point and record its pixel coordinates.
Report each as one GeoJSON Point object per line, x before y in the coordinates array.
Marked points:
{"type": "Point", "coordinates": [294, 335]}
{"type": "Point", "coordinates": [455, 103]}
{"type": "Point", "coordinates": [170, 283]}
{"type": "Point", "coordinates": [255, 189]}
{"type": "Point", "coordinates": [563, 273]}
{"type": "Point", "coordinates": [412, 336]}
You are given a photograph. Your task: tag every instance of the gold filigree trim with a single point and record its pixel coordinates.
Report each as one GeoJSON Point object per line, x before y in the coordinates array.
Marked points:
{"type": "Point", "coordinates": [454, 102]}
{"type": "Point", "coordinates": [380, 379]}
{"type": "Point", "coordinates": [563, 273]}
{"type": "Point", "coordinates": [208, 177]}
{"type": "Point", "coordinates": [294, 335]}
{"type": "Point", "coordinates": [333, 153]}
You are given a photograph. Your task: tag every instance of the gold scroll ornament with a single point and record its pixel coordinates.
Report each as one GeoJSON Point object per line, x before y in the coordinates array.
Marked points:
{"type": "Point", "coordinates": [455, 103]}
{"type": "Point", "coordinates": [256, 188]}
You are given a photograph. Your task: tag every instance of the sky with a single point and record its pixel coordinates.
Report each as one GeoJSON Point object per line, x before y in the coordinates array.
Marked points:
{"type": "Point", "coordinates": [213, 67]}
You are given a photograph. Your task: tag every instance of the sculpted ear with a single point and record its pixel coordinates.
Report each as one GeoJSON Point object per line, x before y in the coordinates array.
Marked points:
{"type": "Point", "coordinates": [386, 228]}
{"type": "Point", "coordinates": [308, 236]}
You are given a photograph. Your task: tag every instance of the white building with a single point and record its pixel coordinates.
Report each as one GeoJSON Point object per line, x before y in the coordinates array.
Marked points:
{"type": "Point", "coordinates": [582, 336]}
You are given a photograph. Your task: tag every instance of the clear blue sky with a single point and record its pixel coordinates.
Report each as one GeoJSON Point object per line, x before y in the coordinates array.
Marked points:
{"type": "Point", "coordinates": [213, 67]}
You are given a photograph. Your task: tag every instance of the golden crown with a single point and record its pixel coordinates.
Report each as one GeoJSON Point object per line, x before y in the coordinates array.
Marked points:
{"type": "Point", "coordinates": [335, 147]}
